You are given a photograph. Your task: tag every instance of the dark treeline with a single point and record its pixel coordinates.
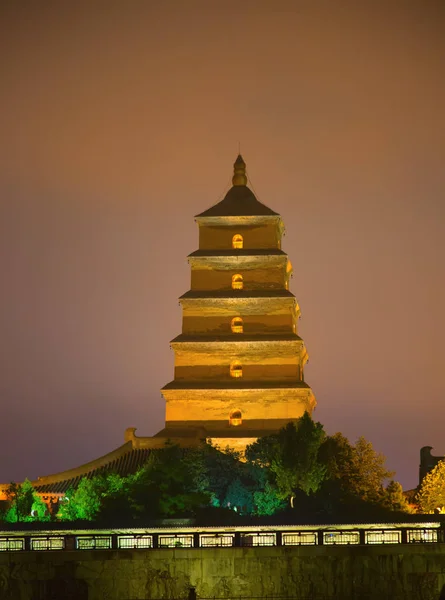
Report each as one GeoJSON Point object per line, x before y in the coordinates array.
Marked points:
{"type": "Point", "coordinates": [299, 470]}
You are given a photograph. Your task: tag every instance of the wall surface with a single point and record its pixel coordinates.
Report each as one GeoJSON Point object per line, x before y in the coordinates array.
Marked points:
{"type": "Point", "coordinates": [414, 572]}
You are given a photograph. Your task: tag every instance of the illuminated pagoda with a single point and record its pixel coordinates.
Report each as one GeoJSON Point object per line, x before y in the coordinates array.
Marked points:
{"type": "Point", "coordinates": [239, 362]}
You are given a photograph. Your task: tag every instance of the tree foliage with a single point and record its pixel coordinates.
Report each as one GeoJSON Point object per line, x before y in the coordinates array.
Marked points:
{"type": "Point", "coordinates": [24, 504]}
{"type": "Point", "coordinates": [84, 502]}
{"type": "Point", "coordinates": [292, 457]}
{"type": "Point", "coordinates": [431, 496]}
{"type": "Point", "coordinates": [267, 501]}
{"type": "Point", "coordinates": [394, 499]}
{"type": "Point", "coordinates": [356, 477]}
{"type": "Point", "coordinates": [170, 483]}
{"type": "Point", "coordinates": [239, 497]}
{"type": "Point", "coordinates": [299, 467]}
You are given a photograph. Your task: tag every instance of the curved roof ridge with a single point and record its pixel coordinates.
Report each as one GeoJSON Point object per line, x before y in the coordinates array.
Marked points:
{"type": "Point", "coordinates": [102, 461]}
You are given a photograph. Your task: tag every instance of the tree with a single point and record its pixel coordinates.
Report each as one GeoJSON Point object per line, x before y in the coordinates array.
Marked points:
{"type": "Point", "coordinates": [170, 483]}
{"type": "Point", "coordinates": [24, 504]}
{"type": "Point", "coordinates": [39, 509]}
{"type": "Point", "coordinates": [369, 470]}
{"type": "Point", "coordinates": [82, 503]}
{"type": "Point", "coordinates": [239, 497]}
{"type": "Point", "coordinates": [394, 499]}
{"type": "Point", "coordinates": [431, 496]}
{"type": "Point", "coordinates": [220, 468]}
{"type": "Point", "coordinates": [267, 501]}
{"type": "Point", "coordinates": [291, 456]}
{"type": "Point", "coordinates": [354, 471]}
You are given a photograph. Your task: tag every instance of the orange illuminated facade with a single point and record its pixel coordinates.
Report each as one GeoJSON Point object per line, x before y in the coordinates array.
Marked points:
{"type": "Point", "coordinates": [239, 352]}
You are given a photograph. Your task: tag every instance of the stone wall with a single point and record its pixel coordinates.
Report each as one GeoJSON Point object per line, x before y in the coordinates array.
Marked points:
{"type": "Point", "coordinates": [414, 572]}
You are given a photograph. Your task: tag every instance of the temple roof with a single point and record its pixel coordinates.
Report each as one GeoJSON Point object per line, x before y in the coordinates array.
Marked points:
{"type": "Point", "coordinates": [124, 460]}
{"type": "Point", "coordinates": [239, 201]}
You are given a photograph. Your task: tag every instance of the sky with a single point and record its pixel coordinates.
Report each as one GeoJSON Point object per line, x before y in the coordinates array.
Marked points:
{"type": "Point", "coordinates": [120, 121]}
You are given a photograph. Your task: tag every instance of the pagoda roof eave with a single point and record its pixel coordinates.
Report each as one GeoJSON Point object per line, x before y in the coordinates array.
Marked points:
{"type": "Point", "coordinates": [237, 338]}
{"type": "Point", "coordinates": [235, 384]}
{"type": "Point", "coordinates": [237, 219]}
{"type": "Point", "coordinates": [236, 253]}
{"type": "Point", "coordinates": [236, 294]}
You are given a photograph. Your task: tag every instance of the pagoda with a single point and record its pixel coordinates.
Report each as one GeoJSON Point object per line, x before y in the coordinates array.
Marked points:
{"type": "Point", "coordinates": [239, 361]}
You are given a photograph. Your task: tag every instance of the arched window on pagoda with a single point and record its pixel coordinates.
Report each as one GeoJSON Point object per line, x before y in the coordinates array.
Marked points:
{"type": "Point", "coordinates": [237, 241]}
{"type": "Point", "coordinates": [237, 282]}
{"type": "Point", "coordinates": [237, 325]}
{"type": "Point", "coordinates": [236, 418]}
{"type": "Point", "coordinates": [236, 370]}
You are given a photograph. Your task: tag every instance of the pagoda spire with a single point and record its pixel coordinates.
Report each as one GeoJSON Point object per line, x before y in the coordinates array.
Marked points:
{"type": "Point", "coordinates": [239, 171]}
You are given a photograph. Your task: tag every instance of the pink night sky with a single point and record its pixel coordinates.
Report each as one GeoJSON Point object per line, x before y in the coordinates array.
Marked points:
{"type": "Point", "coordinates": [119, 121]}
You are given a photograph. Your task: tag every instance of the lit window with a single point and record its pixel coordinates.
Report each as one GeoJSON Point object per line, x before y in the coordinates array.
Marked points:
{"type": "Point", "coordinates": [236, 370]}
{"type": "Point", "coordinates": [237, 241]}
{"type": "Point", "coordinates": [237, 282]}
{"type": "Point", "coordinates": [236, 418]}
{"type": "Point", "coordinates": [237, 325]}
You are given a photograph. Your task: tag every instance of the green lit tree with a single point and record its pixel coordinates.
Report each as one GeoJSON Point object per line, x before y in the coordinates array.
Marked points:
{"type": "Point", "coordinates": [239, 497]}
{"type": "Point", "coordinates": [39, 510]}
{"type": "Point", "coordinates": [291, 456]}
{"type": "Point", "coordinates": [67, 509]}
{"type": "Point", "coordinates": [24, 504]}
{"type": "Point", "coordinates": [431, 495]}
{"type": "Point", "coordinates": [267, 501]}
{"type": "Point", "coordinates": [84, 502]}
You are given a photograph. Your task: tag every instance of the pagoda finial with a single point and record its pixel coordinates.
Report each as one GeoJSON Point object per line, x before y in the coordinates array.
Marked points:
{"type": "Point", "coordinates": [239, 171]}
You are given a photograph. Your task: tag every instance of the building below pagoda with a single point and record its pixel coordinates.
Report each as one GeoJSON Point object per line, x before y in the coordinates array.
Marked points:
{"type": "Point", "coordinates": [239, 361]}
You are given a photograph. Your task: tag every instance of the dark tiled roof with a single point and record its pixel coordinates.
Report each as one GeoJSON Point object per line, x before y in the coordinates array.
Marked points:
{"type": "Point", "coordinates": [124, 463]}
{"type": "Point", "coordinates": [239, 201]}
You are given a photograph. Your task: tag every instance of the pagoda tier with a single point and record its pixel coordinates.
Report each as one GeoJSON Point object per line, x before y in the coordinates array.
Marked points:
{"type": "Point", "coordinates": [239, 363]}
{"type": "Point", "coordinates": [213, 316]}
{"type": "Point", "coordinates": [260, 358]}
